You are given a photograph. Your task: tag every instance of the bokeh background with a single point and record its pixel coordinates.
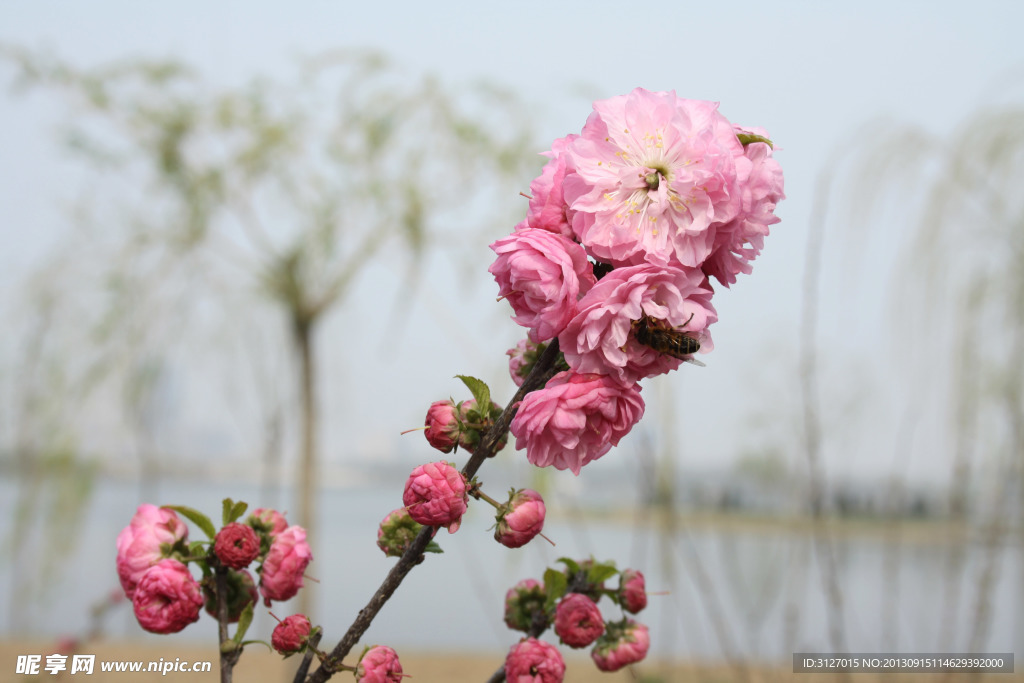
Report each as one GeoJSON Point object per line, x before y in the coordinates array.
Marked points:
{"type": "Point", "coordinates": [198, 201]}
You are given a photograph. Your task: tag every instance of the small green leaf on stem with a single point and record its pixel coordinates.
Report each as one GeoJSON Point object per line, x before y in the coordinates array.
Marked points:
{"type": "Point", "coordinates": [238, 510]}
{"type": "Point", "coordinates": [570, 564]}
{"type": "Point", "coordinates": [244, 620]}
{"type": "Point", "coordinates": [601, 571]}
{"type": "Point", "coordinates": [433, 547]}
{"type": "Point", "coordinates": [481, 392]}
{"type": "Point", "coordinates": [555, 585]}
{"type": "Point", "coordinates": [196, 517]}
{"type": "Point", "coordinates": [748, 138]}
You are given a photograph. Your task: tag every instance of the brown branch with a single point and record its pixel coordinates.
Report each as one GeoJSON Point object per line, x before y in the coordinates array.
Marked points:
{"type": "Point", "coordinates": [228, 658]}
{"type": "Point", "coordinates": [542, 372]}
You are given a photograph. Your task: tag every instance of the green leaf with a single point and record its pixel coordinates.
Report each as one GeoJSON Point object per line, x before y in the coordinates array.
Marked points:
{"type": "Point", "coordinates": [225, 511]}
{"type": "Point", "coordinates": [481, 393]}
{"type": "Point", "coordinates": [433, 547]}
{"type": "Point", "coordinates": [196, 517]}
{"type": "Point", "coordinates": [555, 586]}
{"type": "Point", "coordinates": [570, 564]}
{"type": "Point", "coordinates": [253, 642]}
{"type": "Point", "coordinates": [244, 620]}
{"type": "Point", "coordinates": [238, 510]}
{"type": "Point", "coordinates": [600, 572]}
{"type": "Point", "coordinates": [748, 138]}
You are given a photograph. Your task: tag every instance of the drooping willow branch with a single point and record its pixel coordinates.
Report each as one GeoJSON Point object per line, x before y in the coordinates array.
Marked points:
{"type": "Point", "coordinates": [542, 371]}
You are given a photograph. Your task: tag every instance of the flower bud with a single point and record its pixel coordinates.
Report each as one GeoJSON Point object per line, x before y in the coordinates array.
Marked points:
{"type": "Point", "coordinates": [475, 423]}
{"type": "Point", "coordinates": [284, 565]}
{"type": "Point", "coordinates": [268, 521]}
{"type": "Point", "coordinates": [236, 545]}
{"type": "Point", "coordinates": [625, 642]}
{"type": "Point", "coordinates": [632, 591]}
{"type": "Point", "coordinates": [520, 519]}
{"type": "Point", "coordinates": [535, 661]}
{"type": "Point", "coordinates": [444, 425]}
{"type": "Point", "coordinates": [578, 621]}
{"type": "Point", "coordinates": [435, 495]}
{"type": "Point", "coordinates": [167, 598]}
{"type": "Point", "coordinates": [379, 664]}
{"type": "Point", "coordinates": [290, 635]}
{"type": "Point", "coordinates": [397, 532]}
{"type": "Point", "coordinates": [524, 605]}
{"type": "Point", "coordinates": [241, 592]}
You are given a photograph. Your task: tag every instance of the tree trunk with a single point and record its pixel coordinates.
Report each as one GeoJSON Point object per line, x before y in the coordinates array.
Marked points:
{"type": "Point", "coordinates": [306, 490]}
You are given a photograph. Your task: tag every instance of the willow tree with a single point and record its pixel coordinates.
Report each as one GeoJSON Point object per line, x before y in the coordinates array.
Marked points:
{"type": "Point", "coordinates": [961, 287]}
{"type": "Point", "coordinates": [297, 185]}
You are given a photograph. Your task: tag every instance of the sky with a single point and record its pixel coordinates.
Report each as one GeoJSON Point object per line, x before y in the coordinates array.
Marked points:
{"type": "Point", "coordinates": [812, 74]}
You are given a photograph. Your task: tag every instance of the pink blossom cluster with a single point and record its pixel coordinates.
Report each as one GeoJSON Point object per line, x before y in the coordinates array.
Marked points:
{"type": "Point", "coordinates": [627, 224]}
{"type": "Point", "coordinates": [577, 621]}
{"type": "Point", "coordinates": [153, 555]}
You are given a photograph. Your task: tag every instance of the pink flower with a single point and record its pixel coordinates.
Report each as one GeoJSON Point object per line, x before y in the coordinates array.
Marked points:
{"type": "Point", "coordinates": [601, 338]}
{"type": "Point", "coordinates": [241, 592]}
{"type": "Point", "coordinates": [167, 598]}
{"type": "Point", "coordinates": [520, 519]}
{"type": "Point", "coordinates": [396, 532]}
{"type": "Point", "coordinates": [575, 419]}
{"type": "Point", "coordinates": [284, 565]}
{"type": "Point", "coordinates": [290, 635]}
{"type": "Point", "coordinates": [547, 204]}
{"type": "Point", "coordinates": [435, 495]}
{"type": "Point", "coordinates": [652, 175]}
{"type": "Point", "coordinates": [739, 241]}
{"type": "Point", "coordinates": [236, 545]}
{"type": "Point", "coordinates": [267, 520]}
{"type": "Point", "coordinates": [146, 540]}
{"type": "Point", "coordinates": [625, 643]}
{"type": "Point", "coordinates": [524, 604]}
{"type": "Point", "coordinates": [578, 621]}
{"type": "Point", "coordinates": [534, 661]}
{"type": "Point", "coordinates": [443, 425]}
{"type": "Point", "coordinates": [632, 591]}
{"type": "Point", "coordinates": [379, 664]}
{"type": "Point", "coordinates": [542, 275]}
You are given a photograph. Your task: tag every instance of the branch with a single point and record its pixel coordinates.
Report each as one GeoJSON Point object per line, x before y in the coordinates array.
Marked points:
{"type": "Point", "coordinates": [542, 372]}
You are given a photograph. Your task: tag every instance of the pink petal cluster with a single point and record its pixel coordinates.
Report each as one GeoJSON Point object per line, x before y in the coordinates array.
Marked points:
{"type": "Point", "coordinates": [662, 193]}
{"type": "Point", "coordinates": [632, 591]}
{"type": "Point", "coordinates": [435, 495]}
{"type": "Point", "coordinates": [524, 603]}
{"type": "Point", "coordinates": [575, 419]}
{"type": "Point", "coordinates": [290, 554]}
{"type": "Point", "coordinates": [290, 635]}
{"type": "Point", "coordinates": [541, 274]}
{"type": "Point", "coordinates": [145, 541]}
{"type": "Point", "coordinates": [534, 661]}
{"type": "Point", "coordinates": [578, 621]}
{"type": "Point", "coordinates": [167, 598]}
{"type": "Point", "coordinates": [236, 545]}
{"type": "Point", "coordinates": [443, 425]}
{"type": "Point", "coordinates": [379, 664]}
{"type": "Point", "coordinates": [521, 519]}
{"type": "Point", "coordinates": [601, 339]}
{"type": "Point", "coordinates": [623, 645]}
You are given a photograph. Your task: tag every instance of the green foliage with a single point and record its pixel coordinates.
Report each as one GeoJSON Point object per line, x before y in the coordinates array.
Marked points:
{"type": "Point", "coordinates": [196, 517]}
{"type": "Point", "coordinates": [481, 393]}
{"type": "Point", "coordinates": [232, 511]}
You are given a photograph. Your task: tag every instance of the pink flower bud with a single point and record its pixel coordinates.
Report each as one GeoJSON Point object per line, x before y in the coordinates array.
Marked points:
{"type": "Point", "coordinates": [167, 598]}
{"type": "Point", "coordinates": [443, 425]}
{"type": "Point", "coordinates": [524, 605]}
{"type": "Point", "coordinates": [268, 521]}
{"type": "Point", "coordinates": [284, 565]}
{"type": "Point", "coordinates": [379, 664]}
{"type": "Point", "coordinates": [520, 519]}
{"type": "Point", "coordinates": [241, 592]}
{"type": "Point", "coordinates": [534, 661]}
{"type": "Point", "coordinates": [632, 591]}
{"type": "Point", "coordinates": [146, 540]}
{"type": "Point", "coordinates": [290, 635]}
{"type": "Point", "coordinates": [626, 642]}
{"type": "Point", "coordinates": [578, 622]}
{"type": "Point", "coordinates": [435, 495]}
{"type": "Point", "coordinates": [397, 532]}
{"type": "Point", "coordinates": [236, 545]}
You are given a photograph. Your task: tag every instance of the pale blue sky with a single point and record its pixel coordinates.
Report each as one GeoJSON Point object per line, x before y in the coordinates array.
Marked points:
{"type": "Point", "coordinates": [811, 73]}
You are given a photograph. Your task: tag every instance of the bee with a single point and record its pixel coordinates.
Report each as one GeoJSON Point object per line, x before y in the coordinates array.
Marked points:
{"type": "Point", "coordinates": [658, 335]}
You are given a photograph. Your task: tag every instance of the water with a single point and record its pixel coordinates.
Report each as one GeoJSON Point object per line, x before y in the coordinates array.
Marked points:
{"type": "Point", "coordinates": [747, 590]}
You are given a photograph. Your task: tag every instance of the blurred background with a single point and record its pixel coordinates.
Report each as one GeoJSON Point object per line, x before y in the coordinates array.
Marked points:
{"type": "Point", "coordinates": [243, 246]}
